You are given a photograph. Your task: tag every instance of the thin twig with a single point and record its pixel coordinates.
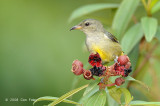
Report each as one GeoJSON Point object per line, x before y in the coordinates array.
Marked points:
{"type": "Point", "coordinates": [147, 57]}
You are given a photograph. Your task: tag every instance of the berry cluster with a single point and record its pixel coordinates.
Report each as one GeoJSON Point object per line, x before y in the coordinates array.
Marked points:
{"type": "Point", "coordinates": [97, 70]}
{"type": "Point", "coordinates": [121, 68]}
{"type": "Point", "coordinates": [96, 62]}
{"type": "Point", "coordinates": [77, 69]}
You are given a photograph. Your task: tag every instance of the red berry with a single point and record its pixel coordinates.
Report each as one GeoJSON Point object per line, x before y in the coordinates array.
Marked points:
{"type": "Point", "coordinates": [122, 68]}
{"type": "Point", "coordinates": [87, 74]}
{"type": "Point", "coordinates": [77, 67]}
{"type": "Point", "coordinates": [112, 70]}
{"type": "Point", "coordinates": [78, 63]}
{"type": "Point", "coordinates": [95, 60]}
{"type": "Point", "coordinates": [123, 60]}
{"type": "Point", "coordinates": [128, 65]}
{"type": "Point", "coordinates": [103, 68]}
{"type": "Point", "coordinates": [119, 81]}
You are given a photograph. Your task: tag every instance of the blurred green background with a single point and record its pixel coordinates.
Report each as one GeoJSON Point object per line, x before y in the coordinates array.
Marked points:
{"type": "Point", "coordinates": [37, 48]}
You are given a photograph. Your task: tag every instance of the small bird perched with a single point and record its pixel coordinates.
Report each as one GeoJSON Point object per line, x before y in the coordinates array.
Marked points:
{"type": "Point", "coordinates": [100, 41]}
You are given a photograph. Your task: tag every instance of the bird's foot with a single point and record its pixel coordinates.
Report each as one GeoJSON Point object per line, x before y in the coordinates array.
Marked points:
{"type": "Point", "coordinates": [116, 59]}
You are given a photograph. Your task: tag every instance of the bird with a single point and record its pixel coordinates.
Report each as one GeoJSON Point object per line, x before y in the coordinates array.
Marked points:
{"type": "Point", "coordinates": [100, 41]}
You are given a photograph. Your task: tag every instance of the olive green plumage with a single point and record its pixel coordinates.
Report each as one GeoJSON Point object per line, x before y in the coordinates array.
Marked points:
{"type": "Point", "coordinates": [99, 40]}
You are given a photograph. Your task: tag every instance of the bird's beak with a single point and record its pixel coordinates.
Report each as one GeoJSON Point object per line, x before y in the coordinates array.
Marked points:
{"type": "Point", "coordinates": [76, 27]}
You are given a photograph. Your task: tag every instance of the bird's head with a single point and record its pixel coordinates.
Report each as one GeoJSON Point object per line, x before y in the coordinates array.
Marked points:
{"type": "Point", "coordinates": [89, 26]}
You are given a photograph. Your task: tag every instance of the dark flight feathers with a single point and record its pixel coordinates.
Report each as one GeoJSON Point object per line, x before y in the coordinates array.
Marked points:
{"type": "Point", "coordinates": [112, 37]}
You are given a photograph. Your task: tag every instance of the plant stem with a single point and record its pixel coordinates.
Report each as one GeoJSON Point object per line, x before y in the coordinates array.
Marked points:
{"type": "Point", "coordinates": [147, 7]}
{"type": "Point", "coordinates": [145, 4]}
{"type": "Point", "coordinates": [147, 57]}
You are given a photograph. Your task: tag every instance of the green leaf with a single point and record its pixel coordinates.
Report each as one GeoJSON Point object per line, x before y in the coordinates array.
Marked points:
{"type": "Point", "coordinates": [123, 16]}
{"type": "Point", "coordinates": [153, 2]}
{"type": "Point", "coordinates": [98, 99]}
{"type": "Point", "coordinates": [131, 38]}
{"type": "Point", "coordinates": [89, 9]}
{"type": "Point", "coordinates": [129, 78]}
{"type": "Point", "coordinates": [111, 101]}
{"type": "Point", "coordinates": [155, 8]}
{"type": "Point", "coordinates": [67, 95]}
{"type": "Point", "coordinates": [158, 33]}
{"type": "Point", "coordinates": [89, 94]}
{"type": "Point", "coordinates": [144, 103]}
{"type": "Point", "coordinates": [149, 26]}
{"type": "Point", "coordinates": [133, 56]}
{"type": "Point", "coordinates": [48, 98]}
{"type": "Point", "coordinates": [115, 93]}
{"type": "Point", "coordinates": [92, 87]}
{"type": "Point", "coordinates": [90, 90]}
{"type": "Point", "coordinates": [127, 95]}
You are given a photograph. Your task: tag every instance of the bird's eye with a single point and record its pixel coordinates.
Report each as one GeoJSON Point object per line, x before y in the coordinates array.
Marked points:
{"type": "Point", "coordinates": [87, 24]}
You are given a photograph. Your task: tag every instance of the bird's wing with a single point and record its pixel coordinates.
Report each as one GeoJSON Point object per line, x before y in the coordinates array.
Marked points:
{"type": "Point", "coordinates": [112, 37]}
